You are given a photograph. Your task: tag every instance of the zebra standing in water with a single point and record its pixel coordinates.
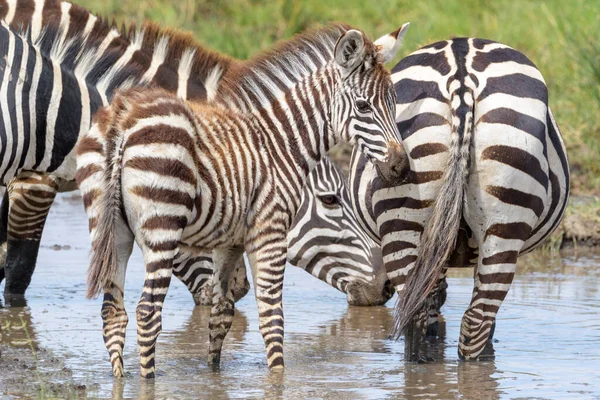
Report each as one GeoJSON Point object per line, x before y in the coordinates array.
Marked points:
{"type": "Point", "coordinates": [488, 180]}
{"type": "Point", "coordinates": [230, 179]}
{"type": "Point", "coordinates": [48, 100]}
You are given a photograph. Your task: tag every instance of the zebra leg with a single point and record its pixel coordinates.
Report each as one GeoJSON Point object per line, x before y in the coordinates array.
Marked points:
{"type": "Point", "coordinates": [158, 257]}
{"type": "Point", "coordinates": [114, 317]}
{"type": "Point", "coordinates": [225, 262]}
{"type": "Point", "coordinates": [3, 232]}
{"type": "Point", "coordinates": [30, 197]}
{"type": "Point", "coordinates": [195, 272]}
{"type": "Point", "coordinates": [436, 300]}
{"type": "Point", "coordinates": [493, 276]}
{"type": "Point", "coordinates": [268, 267]}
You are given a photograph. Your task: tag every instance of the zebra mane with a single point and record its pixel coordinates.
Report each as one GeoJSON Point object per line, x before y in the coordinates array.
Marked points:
{"type": "Point", "coordinates": [181, 45]}
{"type": "Point", "coordinates": [285, 64]}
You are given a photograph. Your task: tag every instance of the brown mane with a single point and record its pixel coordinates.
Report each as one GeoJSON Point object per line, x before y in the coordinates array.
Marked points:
{"type": "Point", "coordinates": [303, 52]}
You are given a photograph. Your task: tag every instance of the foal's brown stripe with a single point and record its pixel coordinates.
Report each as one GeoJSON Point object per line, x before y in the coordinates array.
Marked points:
{"type": "Point", "coordinates": [164, 196]}
{"type": "Point", "coordinates": [163, 166]}
{"type": "Point", "coordinates": [89, 145]}
{"type": "Point", "coordinates": [84, 173]}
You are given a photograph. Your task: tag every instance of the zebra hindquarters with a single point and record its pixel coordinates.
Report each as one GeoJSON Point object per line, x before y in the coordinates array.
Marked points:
{"type": "Point", "coordinates": [506, 195]}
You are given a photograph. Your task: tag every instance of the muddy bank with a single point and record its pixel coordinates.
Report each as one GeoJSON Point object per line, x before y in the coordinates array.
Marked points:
{"type": "Point", "coordinates": [28, 368]}
{"type": "Point", "coordinates": [581, 225]}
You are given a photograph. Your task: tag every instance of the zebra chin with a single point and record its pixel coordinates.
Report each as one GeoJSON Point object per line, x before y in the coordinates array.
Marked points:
{"type": "Point", "coordinates": [366, 294]}
{"type": "Point", "coordinates": [394, 170]}
{"type": "Point", "coordinates": [375, 292]}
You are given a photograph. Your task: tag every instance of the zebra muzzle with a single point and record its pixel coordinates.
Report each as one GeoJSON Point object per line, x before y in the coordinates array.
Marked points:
{"type": "Point", "coordinates": [394, 170]}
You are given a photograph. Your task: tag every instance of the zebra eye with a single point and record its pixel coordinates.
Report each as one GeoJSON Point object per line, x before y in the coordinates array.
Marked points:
{"type": "Point", "coordinates": [363, 106]}
{"type": "Point", "coordinates": [328, 199]}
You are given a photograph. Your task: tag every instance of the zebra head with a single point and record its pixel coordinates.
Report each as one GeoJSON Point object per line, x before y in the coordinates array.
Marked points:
{"type": "Point", "coordinates": [363, 111]}
{"type": "Point", "coordinates": [326, 240]}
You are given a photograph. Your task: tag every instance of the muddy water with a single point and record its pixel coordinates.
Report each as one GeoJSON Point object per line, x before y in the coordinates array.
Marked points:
{"type": "Point", "coordinates": [548, 337]}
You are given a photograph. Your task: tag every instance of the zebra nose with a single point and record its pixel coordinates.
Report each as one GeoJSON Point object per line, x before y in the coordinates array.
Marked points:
{"type": "Point", "coordinates": [395, 169]}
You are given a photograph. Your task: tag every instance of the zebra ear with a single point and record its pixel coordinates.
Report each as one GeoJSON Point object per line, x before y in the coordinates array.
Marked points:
{"type": "Point", "coordinates": [387, 46]}
{"type": "Point", "coordinates": [349, 50]}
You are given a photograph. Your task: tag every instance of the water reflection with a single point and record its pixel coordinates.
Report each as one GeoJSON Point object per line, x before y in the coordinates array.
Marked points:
{"type": "Point", "coordinates": [548, 333]}
{"type": "Point", "coordinates": [16, 326]}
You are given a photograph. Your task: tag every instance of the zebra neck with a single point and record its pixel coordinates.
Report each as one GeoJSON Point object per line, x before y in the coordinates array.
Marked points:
{"type": "Point", "coordinates": [293, 122]}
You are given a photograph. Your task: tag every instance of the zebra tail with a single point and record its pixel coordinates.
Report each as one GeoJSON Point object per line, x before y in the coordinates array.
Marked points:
{"type": "Point", "coordinates": [103, 264]}
{"type": "Point", "coordinates": [439, 236]}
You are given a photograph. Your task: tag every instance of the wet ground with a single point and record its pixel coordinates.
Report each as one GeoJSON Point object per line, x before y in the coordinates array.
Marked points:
{"type": "Point", "coordinates": [548, 337]}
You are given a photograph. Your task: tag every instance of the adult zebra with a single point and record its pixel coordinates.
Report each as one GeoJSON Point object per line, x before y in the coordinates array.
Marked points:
{"type": "Point", "coordinates": [47, 103]}
{"type": "Point", "coordinates": [488, 180]}
{"type": "Point", "coordinates": [230, 178]}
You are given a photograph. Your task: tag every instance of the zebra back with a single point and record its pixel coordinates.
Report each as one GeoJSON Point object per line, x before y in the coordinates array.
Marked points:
{"type": "Point", "coordinates": [171, 59]}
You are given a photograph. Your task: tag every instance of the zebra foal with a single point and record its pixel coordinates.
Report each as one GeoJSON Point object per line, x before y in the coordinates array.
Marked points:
{"type": "Point", "coordinates": [228, 175]}
{"type": "Point", "coordinates": [488, 180]}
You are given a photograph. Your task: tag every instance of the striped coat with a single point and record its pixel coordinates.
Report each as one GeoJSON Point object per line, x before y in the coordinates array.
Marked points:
{"type": "Point", "coordinates": [487, 180]}
{"type": "Point", "coordinates": [183, 66]}
{"type": "Point", "coordinates": [51, 93]}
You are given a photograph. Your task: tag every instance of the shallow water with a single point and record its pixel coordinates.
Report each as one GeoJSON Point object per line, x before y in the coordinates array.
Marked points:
{"type": "Point", "coordinates": [548, 336]}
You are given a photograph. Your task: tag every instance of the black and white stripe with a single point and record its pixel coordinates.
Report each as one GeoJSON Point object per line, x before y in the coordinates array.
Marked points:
{"type": "Point", "coordinates": [324, 239]}
{"type": "Point", "coordinates": [488, 181]}
{"type": "Point", "coordinates": [60, 63]}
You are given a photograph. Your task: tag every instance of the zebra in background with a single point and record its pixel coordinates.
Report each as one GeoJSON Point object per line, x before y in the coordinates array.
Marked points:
{"type": "Point", "coordinates": [38, 138]}
{"type": "Point", "coordinates": [48, 100]}
{"type": "Point", "coordinates": [229, 179]}
{"type": "Point", "coordinates": [487, 180]}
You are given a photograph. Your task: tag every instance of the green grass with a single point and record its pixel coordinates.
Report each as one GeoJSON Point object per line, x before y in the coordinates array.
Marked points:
{"type": "Point", "coordinates": [560, 37]}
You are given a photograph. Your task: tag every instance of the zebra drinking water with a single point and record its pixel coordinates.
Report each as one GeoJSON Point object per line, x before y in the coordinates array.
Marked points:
{"type": "Point", "coordinates": [229, 179]}
{"type": "Point", "coordinates": [487, 180]}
